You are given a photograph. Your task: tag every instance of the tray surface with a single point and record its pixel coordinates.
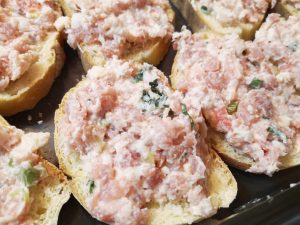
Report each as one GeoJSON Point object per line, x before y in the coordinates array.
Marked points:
{"type": "Point", "coordinates": [261, 199]}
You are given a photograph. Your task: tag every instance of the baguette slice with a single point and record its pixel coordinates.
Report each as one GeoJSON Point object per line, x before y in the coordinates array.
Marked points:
{"type": "Point", "coordinates": [35, 84]}
{"type": "Point", "coordinates": [48, 196]}
{"type": "Point", "coordinates": [217, 141]}
{"type": "Point", "coordinates": [197, 20]}
{"type": "Point", "coordinates": [152, 53]}
{"type": "Point", "coordinates": [222, 186]}
{"type": "Point", "coordinates": [286, 9]}
{"type": "Point", "coordinates": [24, 93]}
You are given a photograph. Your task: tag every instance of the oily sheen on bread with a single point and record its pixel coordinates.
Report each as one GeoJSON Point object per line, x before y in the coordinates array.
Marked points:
{"type": "Point", "coordinates": [34, 84]}
{"type": "Point", "coordinates": [152, 51]}
{"type": "Point", "coordinates": [221, 185]}
{"type": "Point", "coordinates": [199, 16]}
{"type": "Point", "coordinates": [47, 197]}
{"type": "Point", "coordinates": [217, 139]}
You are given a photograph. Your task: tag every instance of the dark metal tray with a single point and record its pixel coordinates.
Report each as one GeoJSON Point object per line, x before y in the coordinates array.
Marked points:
{"type": "Point", "coordinates": [261, 200]}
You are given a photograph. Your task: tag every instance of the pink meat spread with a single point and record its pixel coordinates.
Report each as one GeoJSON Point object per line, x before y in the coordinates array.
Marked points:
{"type": "Point", "coordinates": [229, 12]}
{"type": "Point", "coordinates": [23, 25]}
{"type": "Point", "coordinates": [137, 143]}
{"type": "Point", "coordinates": [247, 90]}
{"type": "Point", "coordinates": [20, 169]}
{"type": "Point", "coordinates": [118, 25]}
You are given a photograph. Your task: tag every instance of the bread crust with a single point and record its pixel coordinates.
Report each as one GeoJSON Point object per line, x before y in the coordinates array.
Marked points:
{"type": "Point", "coordinates": [35, 84]}
{"type": "Point", "coordinates": [48, 196]}
{"type": "Point", "coordinates": [229, 154]}
{"type": "Point", "coordinates": [221, 183]}
{"type": "Point", "coordinates": [198, 20]}
{"type": "Point", "coordinates": [152, 53]}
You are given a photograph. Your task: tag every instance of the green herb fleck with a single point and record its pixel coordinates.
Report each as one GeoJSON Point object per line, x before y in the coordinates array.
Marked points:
{"type": "Point", "coordinates": [232, 107]}
{"type": "Point", "coordinates": [30, 176]}
{"type": "Point", "coordinates": [256, 84]}
{"type": "Point", "coordinates": [10, 163]}
{"type": "Point", "coordinates": [185, 112]}
{"type": "Point", "coordinates": [91, 185]}
{"type": "Point", "coordinates": [281, 136]}
{"type": "Point", "coordinates": [154, 85]}
{"type": "Point", "coordinates": [204, 9]}
{"type": "Point", "coordinates": [139, 77]}
{"type": "Point", "coordinates": [293, 47]}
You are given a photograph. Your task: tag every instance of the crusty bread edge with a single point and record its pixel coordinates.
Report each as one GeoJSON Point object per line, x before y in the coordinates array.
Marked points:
{"type": "Point", "coordinates": [222, 185]}
{"type": "Point", "coordinates": [55, 178]}
{"type": "Point", "coordinates": [286, 10]}
{"type": "Point", "coordinates": [39, 79]}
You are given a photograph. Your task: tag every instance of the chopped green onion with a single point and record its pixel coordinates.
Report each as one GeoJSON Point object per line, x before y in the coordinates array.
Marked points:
{"type": "Point", "coordinates": [139, 77]}
{"type": "Point", "coordinates": [256, 84]}
{"type": "Point", "coordinates": [204, 9]}
{"type": "Point", "coordinates": [10, 163]}
{"type": "Point", "coordinates": [30, 176]}
{"type": "Point", "coordinates": [273, 130]}
{"type": "Point", "coordinates": [91, 186]}
{"type": "Point", "coordinates": [232, 107]}
{"type": "Point", "coordinates": [185, 112]}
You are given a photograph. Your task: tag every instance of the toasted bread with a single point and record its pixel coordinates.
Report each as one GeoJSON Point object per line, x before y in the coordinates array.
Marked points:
{"type": "Point", "coordinates": [48, 196]}
{"type": "Point", "coordinates": [197, 20]}
{"type": "Point", "coordinates": [222, 187]}
{"type": "Point", "coordinates": [286, 9]}
{"type": "Point", "coordinates": [152, 52]}
{"type": "Point", "coordinates": [217, 140]}
{"type": "Point", "coordinates": [27, 91]}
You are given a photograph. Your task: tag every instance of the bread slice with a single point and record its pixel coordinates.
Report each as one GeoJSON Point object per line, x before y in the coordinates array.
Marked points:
{"type": "Point", "coordinates": [197, 20]}
{"type": "Point", "coordinates": [48, 196]}
{"type": "Point", "coordinates": [152, 53]}
{"type": "Point", "coordinates": [217, 140]}
{"type": "Point", "coordinates": [32, 86]}
{"type": "Point", "coordinates": [221, 184]}
{"type": "Point", "coordinates": [286, 9]}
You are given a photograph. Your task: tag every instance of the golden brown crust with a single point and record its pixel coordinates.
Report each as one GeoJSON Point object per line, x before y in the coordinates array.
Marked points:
{"type": "Point", "coordinates": [151, 53]}
{"type": "Point", "coordinates": [222, 185]}
{"type": "Point", "coordinates": [25, 93]}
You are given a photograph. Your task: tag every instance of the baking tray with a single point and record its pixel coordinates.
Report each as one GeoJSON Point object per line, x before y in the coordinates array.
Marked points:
{"type": "Point", "coordinates": [261, 200]}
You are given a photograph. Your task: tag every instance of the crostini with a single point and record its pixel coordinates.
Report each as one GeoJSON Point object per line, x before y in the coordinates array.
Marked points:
{"type": "Point", "coordinates": [30, 53]}
{"type": "Point", "coordinates": [32, 190]}
{"type": "Point", "coordinates": [132, 151]}
{"type": "Point", "coordinates": [241, 17]}
{"type": "Point", "coordinates": [248, 92]}
{"type": "Point", "coordinates": [288, 8]}
{"type": "Point", "coordinates": [139, 30]}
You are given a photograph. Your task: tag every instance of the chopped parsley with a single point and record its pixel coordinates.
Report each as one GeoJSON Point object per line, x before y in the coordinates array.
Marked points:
{"type": "Point", "coordinates": [139, 77]}
{"type": "Point", "coordinates": [155, 97]}
{"type": "Point", "coordinates": [10, 163]}
{"type": "Point", "coordinates": [204, 9]}
{"type": "Point", "coordinates": [281, 136]}
{"type": "Point", "coordinates": [91, 186]}
{"type": "Point", "coordinates": [185, 112]}
{"type": "Point", "coordinates": [154, 85]}
{"type": "Point", "coordinates": [30, 176]}
{"type": "Point", "coordinates": [256, 84]}
{"type": "Point", "coordinates": [232, 107]}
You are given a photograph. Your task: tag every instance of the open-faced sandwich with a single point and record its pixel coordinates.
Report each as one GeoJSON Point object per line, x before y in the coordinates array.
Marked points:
{"type": "Point", "coordinates": [133, 151]}
{"type": "Point", "coordinates": [242, 17]}
{"type": "Point", "coordinates": [247, 91]}
{"type": "Point", "coordinates": [30, 53]}
{"type": "Point", "coordinates": [32, 191]}
{"type": "Point", "coordinates": [139, 30]}
{"type": "Point", "coordinates": [288, 7]}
